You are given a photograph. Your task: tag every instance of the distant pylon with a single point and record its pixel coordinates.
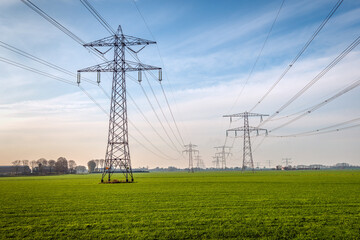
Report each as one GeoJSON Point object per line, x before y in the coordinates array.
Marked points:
{"type": "Point", "coordinates": [117, 152]}
{"type": "Point", "coordinates": [224, 154]}
{"type": "Point", "coordinates": [199, 162]}
{"type": "Point", "coordinates": [190, 150]}
{"type": "Point", "coordinates": [216, 161]}
{"type": "Point", "coordinates": [247, 153]}
{"type": "Point", "coordinates": [286, 161]}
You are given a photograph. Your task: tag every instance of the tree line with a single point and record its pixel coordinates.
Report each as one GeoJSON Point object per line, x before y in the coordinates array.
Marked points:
{"type": "Point", "coordinates": [43, 166]}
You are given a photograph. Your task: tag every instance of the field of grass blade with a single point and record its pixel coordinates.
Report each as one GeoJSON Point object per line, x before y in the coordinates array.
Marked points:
{"type": "Point", "coordinates": [204, 205]}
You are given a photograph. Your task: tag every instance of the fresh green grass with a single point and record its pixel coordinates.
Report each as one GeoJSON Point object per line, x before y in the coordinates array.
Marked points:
{"type": "Point", "coordinates": [206, 205]}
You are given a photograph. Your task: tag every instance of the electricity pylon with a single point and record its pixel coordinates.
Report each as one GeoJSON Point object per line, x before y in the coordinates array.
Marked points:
{"type": "Point", "coordinates": [117, 151]}
{"type": "Point", "coordinates": [190, 150]}
{"type": "Point", "coordinates": [223, 153]}
{"type": "Point", "coordinates": [247, 153]}
{"type": "Point", "coordinates": [199, 162]}
{"type": "Point", "coordinates": [216, 161]}
{"type": "Point", "coordinates": [286, 161]}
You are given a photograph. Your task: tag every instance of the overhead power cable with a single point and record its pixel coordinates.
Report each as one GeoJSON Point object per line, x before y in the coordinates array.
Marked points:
{"type": "Point", "coordinates": [60, 27]}
{"type": "Point", "coordinates": [41, 61]}
{"type": "Point", "coordinates": [94, 101]}
{"type": "Point", "coordinates": [333, 10]}
{"type": "Point", "coordinates": [328, 129]}
{"type": "Point", "coordinates": [172, 115]}
{"type": "Point", "coordinates": [151, 143]}
{"type": "Point", "coordinates": [258, 57]}
{"type": "Point", "coordinates": [317, 78]}
{"type": "Point", "coordinates": [19, 65]}
{"type": "Point", "coordinates": [98, 17]}
{"type": "Point", "coordinates": [147, 120]}
{"type": "Point", "coordinates": [162, 62]}
{"type": "Point", "coordinates": [319, 105]}
{"type": "Point", "coordinates": [157, 116]}
{"type": "Point", "coordinates": [158, 103]}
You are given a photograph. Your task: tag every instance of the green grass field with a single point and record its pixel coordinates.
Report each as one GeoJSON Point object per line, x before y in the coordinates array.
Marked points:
{"type": "Point", "coordinates": [206, 205]}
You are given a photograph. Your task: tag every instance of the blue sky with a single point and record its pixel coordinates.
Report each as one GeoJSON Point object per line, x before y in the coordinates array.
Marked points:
{"type": "Point", "coordinates": [208, 48]}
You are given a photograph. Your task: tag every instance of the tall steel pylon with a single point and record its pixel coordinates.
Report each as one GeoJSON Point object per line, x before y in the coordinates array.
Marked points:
{"type": "Point", "coordinates": [223, 154]}
{"type": "Point", "coordinates": [247, 153]}
{"type": "Point", "coordinates": [117, 151]}
{"type": "Point", "coordinates": [190, 149]}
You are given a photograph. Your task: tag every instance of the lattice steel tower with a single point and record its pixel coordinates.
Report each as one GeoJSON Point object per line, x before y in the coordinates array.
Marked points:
{"type": "Point", "coordinates": [117, 152]}
{"type": "Point", "coordinates": [247, 153]}
{"type": "Point", "coordinates": [190, 149]}
{"type": "Point", "coordinates": [223, 153]}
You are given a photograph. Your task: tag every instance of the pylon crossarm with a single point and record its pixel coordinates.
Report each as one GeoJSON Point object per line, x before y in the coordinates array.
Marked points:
{"type": "Point", "coordinates": [243, 129]}
{"type": "Point", "coordinates": [136, 66]}
{"type": "Point", "coordinates": [241, 115]}
{"type": "Point", "coordinates": [103, 67]}
{"type": "Point", "coordinates": [104, 42]}
{"type": "Point", "coordinates": [126, 40]}
{"type": "Point", "coordinates": [131, 41]}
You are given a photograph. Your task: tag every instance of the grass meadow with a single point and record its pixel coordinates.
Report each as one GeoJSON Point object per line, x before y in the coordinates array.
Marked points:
{"type": "Point", "coordinates": [204, 205]}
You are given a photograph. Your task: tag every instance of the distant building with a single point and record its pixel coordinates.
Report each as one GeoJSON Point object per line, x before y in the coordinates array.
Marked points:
{"type": "Point", "coordinates": [14, 170]}
{"type": "Point", "coordinates": [342, 165]}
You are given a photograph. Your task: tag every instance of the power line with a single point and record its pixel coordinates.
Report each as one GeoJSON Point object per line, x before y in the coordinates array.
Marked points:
{"type": "Point", "coordinates": [172, 115]}
{"type": "Point", "coordinates": [168, 105]}
{"type": "Point", "coordinates": [322, 130]}
{"type": "Point", "coordinates": [98, 17]}
{"type": "Point", "coordinates": [319, 105]}
{"type": "Point", "coordinates": [333, 10]}
{"type": "Point", "coordinates": [134, 55]}
{"type": "Point", "coordinates": [19, 65]}
{"type": "Point", "coordinates": [153, 109]}
{"type": "Point", "coordinates": [305, 109]}
{"type": "Point", "coordinates": [153, 145]}
{"type": "Point", "coordinates": [316, 78]}
{"type": "Point", "coordinates": [94, 101]}
{"type": "Point", "coordinates": [162, 63]}
{"type": "Point", "coordinates": [258, 57]}
{"type": "Point", "coordinates": [41, 61]}
{"type": "Point", "coordinates": [158, 103]}
{"type": "Point", "coordinates": [147, 120]}
{"type": "Point", "coordinates": [60, 27]}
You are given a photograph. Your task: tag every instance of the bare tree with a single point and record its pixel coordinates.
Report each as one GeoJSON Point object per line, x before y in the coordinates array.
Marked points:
{"type": "Point", "coordinates": [33, 164]}
{"type": "Point", "coordinates": [72, 166]}
{"type": "Point", "coordinates": [102, 163]}
{"type": "Point", "coordinates": [25, 162]}
{"type": "Point", "coordinates": [16, 164]}
{"type": "Point", "coordinates": [42, 162]}
{"type": "Point", "coordinates": [97, 161]}
{"type": "Point", "coordinates": [51, 164]}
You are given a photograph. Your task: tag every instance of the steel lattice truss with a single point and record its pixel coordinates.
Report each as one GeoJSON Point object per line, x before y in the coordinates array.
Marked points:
{"type": "Point", "coordinates": [247, 153]}
{"type": "Point", "coordinates": [223, 154]}
{"type": "Point", "coordinates": [117, 152]}
{"type": "Point", "coordinates": [190, 149]}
